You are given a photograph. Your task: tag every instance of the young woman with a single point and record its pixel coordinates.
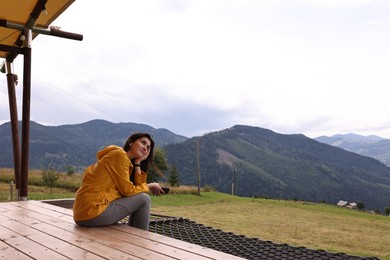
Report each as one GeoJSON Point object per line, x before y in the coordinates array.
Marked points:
{"type": "Point", "coordinates": [115, 186]}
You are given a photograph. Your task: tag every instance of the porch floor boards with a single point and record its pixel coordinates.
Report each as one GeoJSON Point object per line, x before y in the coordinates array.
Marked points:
{"type": "Point", "coordinates": [38, 230]}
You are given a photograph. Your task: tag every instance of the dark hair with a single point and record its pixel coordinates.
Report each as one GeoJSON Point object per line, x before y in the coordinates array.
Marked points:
{"type": "Point", "coordinates": [149, 160]}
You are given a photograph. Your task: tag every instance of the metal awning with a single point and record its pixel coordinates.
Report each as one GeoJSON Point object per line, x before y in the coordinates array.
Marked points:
{"type": "Point", "coordinates": [14, 15]}
{"type": "Point", "coordinates": [20, 23]}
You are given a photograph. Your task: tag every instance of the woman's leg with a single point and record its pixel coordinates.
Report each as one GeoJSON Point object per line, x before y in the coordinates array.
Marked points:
{"type": "Point", "coordinates": [137, 207]}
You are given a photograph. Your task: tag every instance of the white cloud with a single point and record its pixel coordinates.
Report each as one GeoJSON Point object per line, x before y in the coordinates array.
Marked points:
{"type": "Point", "coordinates": [339, 3]}
{"type": "Point", "coordinates": [374, 22]}
{"type": "Point", "coordinates": [297, 66]}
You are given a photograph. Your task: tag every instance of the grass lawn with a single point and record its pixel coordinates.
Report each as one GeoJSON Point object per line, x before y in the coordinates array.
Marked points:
{"type": "Point", "coordinates": [36, 193]}
{"type": "Point", "coordinates": [295, 223]}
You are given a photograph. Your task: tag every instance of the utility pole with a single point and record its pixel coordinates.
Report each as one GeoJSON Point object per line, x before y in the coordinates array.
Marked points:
{"type": "Point", "coordinates": [234, 178]}
{"type": "Point", "coordinates": [198, 163]}
{"type": "Point", "coordinates": [230, 163]}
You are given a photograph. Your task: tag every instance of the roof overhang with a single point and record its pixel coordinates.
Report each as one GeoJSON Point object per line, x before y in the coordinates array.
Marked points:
{"type": "Point", "coordinates": [20, 22]}
{"type": "Point", "coordinates": [37, 15]}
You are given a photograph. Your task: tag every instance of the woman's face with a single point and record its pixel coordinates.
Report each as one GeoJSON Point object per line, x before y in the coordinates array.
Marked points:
{"type": "Point", "coordinates": [140, 148]}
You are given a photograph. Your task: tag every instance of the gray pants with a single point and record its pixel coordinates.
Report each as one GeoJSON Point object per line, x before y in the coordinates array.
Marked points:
{"type": "Point", "coordinates": [137, 207]}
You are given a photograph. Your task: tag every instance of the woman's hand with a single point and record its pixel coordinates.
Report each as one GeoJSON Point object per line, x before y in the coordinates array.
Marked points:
{"type": "Point", "coordinates": [139, 160]}
{"type": "Point", "coordinates": [155, 188]}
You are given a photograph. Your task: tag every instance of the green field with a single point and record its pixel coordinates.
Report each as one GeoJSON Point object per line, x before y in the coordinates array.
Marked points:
{"type": "Point", "coordinates": [316, 226]}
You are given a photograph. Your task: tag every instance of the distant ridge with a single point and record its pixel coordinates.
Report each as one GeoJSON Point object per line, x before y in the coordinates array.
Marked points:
{"type": "Point", "coordinates": [351, 137]}
{"type": "Point", "coordinates": [372, 145]}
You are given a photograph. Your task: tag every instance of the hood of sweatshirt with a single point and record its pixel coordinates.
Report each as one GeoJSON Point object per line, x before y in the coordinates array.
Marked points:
{"type": "Point", "coordinates": [106, 150]}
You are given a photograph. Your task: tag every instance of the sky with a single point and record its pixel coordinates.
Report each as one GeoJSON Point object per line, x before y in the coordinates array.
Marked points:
{"type": "Point", "coordinates": [312, 67]}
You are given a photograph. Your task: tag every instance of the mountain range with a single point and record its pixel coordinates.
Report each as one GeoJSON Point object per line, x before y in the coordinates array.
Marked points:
{"type": "Point", "coordinates": [243, 160]}
{"type": "Point", "coordinates": [75, 145]}
{"type": "Point", "coordinates": [372, 145]}
{"type": "Point", "coordinates": [263, 163]}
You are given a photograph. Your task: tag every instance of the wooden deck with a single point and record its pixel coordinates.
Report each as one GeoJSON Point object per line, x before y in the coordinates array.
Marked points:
{"type": "Point", "coordinates": [37, 230]}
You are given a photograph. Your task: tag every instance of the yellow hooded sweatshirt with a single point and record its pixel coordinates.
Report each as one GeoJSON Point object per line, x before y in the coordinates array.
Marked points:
{"type": "Point", "coordinates": [106, 180]}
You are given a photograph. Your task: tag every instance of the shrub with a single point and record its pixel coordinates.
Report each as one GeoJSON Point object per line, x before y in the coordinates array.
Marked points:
{"type": "Point", "coordinates": [50, 177]}
{"type": "Point", "coordinates": [174, 177]}
{"type": "Point", "coordinates": [360, 205]}
{"type": "Point", "coordinates": [208, 188]}
{"type": "Point", "coordinates": [70, 170]}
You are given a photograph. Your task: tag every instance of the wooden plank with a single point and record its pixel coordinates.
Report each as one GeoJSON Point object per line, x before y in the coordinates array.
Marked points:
{"type": "Point", "coordinates": [102, 234]}
{"type": "Point", "coordinates": [51, 207]}
{"type": "Point", "coordinates": [183, 245]}
{"type": "Point", "coordinates": [140, 235]}
{"type": "Point", "coordinates": [157, 246]}
{"type": "Point", "coordinates": [75, 236]}
{"type": "Point", "coordinates": [3, 218]}
{"type": "Point", "coordinates": [54, 243]}
{"type": "Point", "coordinates": [163, 247]}
{"type": "Point", "coordinates": [9, 252]}
{"type": "Point", "coordinates": [48, 222]}
{"type": "Point", "coordinates": [26, 208]}
{"type": "Point", "coordinates": [127, 246]}
{"type": "Point", "coordinates": [27, 246]}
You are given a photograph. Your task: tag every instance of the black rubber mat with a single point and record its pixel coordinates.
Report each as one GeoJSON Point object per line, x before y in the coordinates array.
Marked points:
{"type": "Point", "coordinates": [238, 245]}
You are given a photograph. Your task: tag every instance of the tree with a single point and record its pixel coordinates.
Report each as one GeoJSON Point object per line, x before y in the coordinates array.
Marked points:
{"type": "Point", "coordinates": [173, 176]}
{"type": "Point", "coordinates": [387, 211]}
{"type": "Point", "coordinates": [70, 170]}
{"type": "Point", "coordinates": [160, 165]}
{"type": "Point", "coordinates": [50, 177]}
{"type": "Point", "coordinates": [360, 205]}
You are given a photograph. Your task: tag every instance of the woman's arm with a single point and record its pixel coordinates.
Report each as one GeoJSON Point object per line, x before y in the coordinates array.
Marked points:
{"type": "Point", "coordinates": [118, 167]}
{"type": "Point", "coordinates": [155, 188]}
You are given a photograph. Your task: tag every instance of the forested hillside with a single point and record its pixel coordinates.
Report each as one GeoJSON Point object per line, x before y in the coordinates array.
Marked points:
{"type": "Point", "coordinates": [263, 163]}
{"type": "Point", "coordinates": [76, 145]}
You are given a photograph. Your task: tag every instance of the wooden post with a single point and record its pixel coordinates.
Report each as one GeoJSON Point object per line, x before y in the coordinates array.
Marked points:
{"type": "Point", "coordinates": [12, 82]}
{"type": "Point", "coordinates": [26, 116]}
